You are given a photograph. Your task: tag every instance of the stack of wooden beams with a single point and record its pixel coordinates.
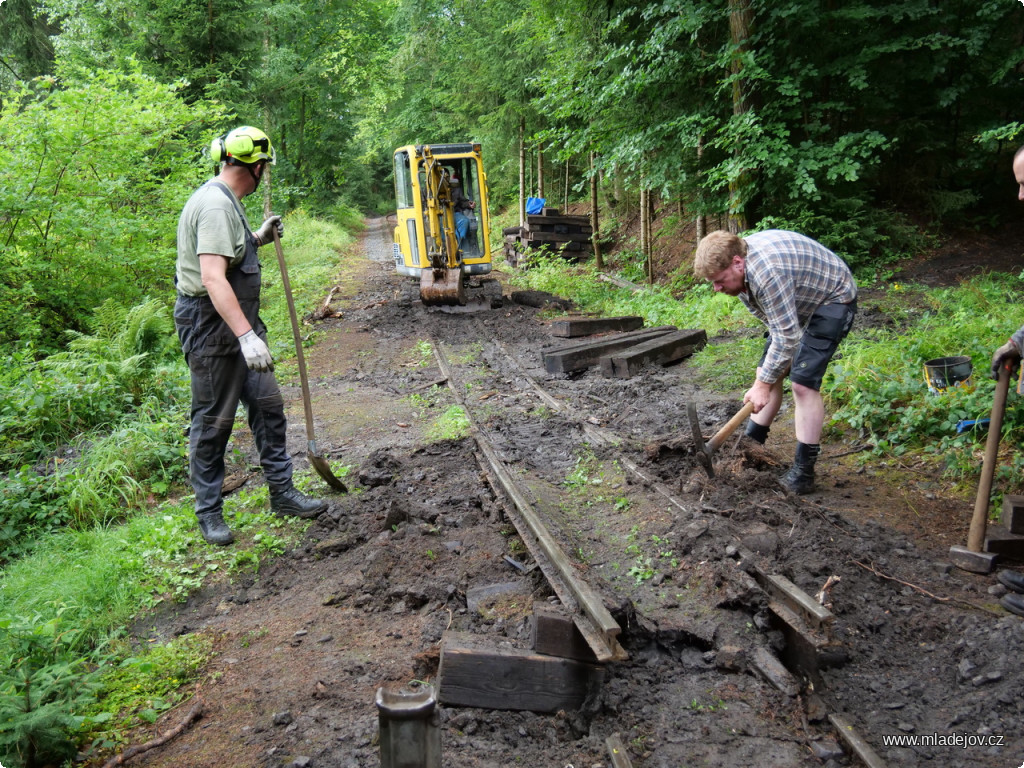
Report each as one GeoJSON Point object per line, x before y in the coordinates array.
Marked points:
{"type": "Point", "coordinates": [619, 355]}
{"type": "Point", "coordinates": [562, 233]}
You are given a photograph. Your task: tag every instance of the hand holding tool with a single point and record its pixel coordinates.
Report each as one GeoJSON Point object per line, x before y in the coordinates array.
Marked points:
{"type": "Point", "coordinates": [706, 451]}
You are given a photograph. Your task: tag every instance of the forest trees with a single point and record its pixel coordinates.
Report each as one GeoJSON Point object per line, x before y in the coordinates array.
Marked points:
{"type": "Point", "coordinates": [850, 109]}
{"type": "Point", "coordinates": [829, 118]}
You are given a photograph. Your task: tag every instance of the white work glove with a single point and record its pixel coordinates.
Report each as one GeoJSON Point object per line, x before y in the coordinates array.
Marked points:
{"type": "Point", "coordinates": [266, 231]}
{"type": "Point", "coordinates": [257, 353]}
{"type": "Point", "coordinates": [1008, 353]}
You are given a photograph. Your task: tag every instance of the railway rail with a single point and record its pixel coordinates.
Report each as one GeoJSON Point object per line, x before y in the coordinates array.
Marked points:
{"type": "Point", "coordinates": [806, 620]}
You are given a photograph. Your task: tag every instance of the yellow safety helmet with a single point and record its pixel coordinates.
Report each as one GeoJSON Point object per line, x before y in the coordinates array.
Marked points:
{"type": "Point", "coordinates": [245, 145]}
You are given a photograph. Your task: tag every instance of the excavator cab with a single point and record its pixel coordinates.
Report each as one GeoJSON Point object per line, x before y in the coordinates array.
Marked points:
{"type": "Point", "coordinates": [441, 233]}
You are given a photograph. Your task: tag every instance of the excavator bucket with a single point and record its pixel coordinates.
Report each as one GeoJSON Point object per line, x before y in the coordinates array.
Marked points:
{"type": "Point", "coordinates": [442, 287]}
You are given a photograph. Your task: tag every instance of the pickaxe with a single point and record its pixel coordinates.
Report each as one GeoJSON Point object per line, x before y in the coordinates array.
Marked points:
{"type": "Point", "coordinates": [706, 451]}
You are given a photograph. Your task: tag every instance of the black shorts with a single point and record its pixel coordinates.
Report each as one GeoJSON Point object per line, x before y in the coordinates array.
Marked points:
{"type": "Point", "coordinates": [827, 327]}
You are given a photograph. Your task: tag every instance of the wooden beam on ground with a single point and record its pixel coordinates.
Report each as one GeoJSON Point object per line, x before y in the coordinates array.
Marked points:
{"type": "Point", "coordinates": [999, 541]}
{"type": "Point", "coordinates": [789, 593]}
{"type": "Point", "coordinates": [571, 327]}
{"type": "Point", "coordinates": [555, 634]}
{"type": "Point", "coordinates": [556, 237]}
{"type": "Point", "coordinates": [620, 282]}
{"type": "Point", "coordinates": [578, 356]}
{"type": "Point", "coordinates": [1013, 513]}
{"type": "Point", "coordinates": [662, 350]}
{"type": "Point", "coordinates": [853, 740]}
{"type": "Point", "coordinates": [565, 222]}
{"type": "Point", "coordinates": [477, 673]}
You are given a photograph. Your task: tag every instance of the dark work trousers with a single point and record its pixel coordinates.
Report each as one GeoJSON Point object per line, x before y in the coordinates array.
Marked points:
{"type": "Point", "coordinates": [220, 380]}
{"type": "Point", "coordinates": [219, 383]}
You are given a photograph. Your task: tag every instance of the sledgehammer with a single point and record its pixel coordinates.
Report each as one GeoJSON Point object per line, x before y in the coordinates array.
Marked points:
{"type": "Point", "coordinates": [971, 558]}
{"type": "Point", "coordinates": [706, 451]}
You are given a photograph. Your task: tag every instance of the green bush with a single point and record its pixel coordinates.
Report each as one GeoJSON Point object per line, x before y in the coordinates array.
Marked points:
{"type": "Point", "coordinates": [867, 237]}
{"type": "Point", "coordinates": [95, 174]}
{"type": "Point", "coordinates": [878, 385]}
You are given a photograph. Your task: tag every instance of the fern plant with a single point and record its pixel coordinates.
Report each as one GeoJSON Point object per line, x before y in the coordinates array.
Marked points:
{"type": "Point", "coordinates": [123, 349]}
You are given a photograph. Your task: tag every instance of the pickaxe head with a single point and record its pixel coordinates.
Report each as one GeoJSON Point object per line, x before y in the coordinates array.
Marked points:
{"type": "Point", "coordinates": [700, 448]}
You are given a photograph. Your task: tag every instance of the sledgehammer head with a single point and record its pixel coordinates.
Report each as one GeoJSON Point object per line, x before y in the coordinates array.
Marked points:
{"type": "Point", "coordinates": [976, 562]}
{"type": "Point", "coordinates": [700, 448]}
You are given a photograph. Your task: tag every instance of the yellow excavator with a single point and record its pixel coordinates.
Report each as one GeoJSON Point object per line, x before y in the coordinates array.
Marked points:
{"type": "Point", "coordinates": [441, 232]}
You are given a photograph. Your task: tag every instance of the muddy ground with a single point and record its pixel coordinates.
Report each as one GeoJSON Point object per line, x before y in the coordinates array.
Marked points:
{"type": "Point", "coordinates": [917, 647]}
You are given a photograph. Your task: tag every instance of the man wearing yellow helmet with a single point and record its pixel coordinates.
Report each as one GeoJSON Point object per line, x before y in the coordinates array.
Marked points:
{"type": "Point", "coordinates": [224, 341]}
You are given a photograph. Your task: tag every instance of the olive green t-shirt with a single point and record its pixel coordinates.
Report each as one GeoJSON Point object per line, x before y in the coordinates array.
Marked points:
{"type": "Point", "coordinates": [209, 223]}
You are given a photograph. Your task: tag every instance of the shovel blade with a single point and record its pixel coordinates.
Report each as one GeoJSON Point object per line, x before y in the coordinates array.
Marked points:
{"type": "Point", "coordinates": [319, 463]}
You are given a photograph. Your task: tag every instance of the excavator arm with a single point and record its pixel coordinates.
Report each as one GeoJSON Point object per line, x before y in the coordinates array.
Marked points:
{"type": "Point", "coordinates": [443, 283]}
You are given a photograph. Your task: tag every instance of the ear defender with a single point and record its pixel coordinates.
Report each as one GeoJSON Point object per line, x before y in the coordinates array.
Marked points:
{"type": "Point", "coordinates": [217, 151]}
{"type": "Point", "coordinates": [238, 146]}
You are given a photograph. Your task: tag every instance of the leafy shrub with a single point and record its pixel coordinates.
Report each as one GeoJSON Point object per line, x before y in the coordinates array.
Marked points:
{"type": "Point", "coordinates": [84, 213]}
{"type": "Point", "coordinates": [142, 686]}
{"type": "Point", "coordinates": [94, 383]}
{"type": "Point", "coordinates": [32, 507]}
{"type": "Point", "coordinates": [878, 385]}
{"type": "Point", "coordinates": [867, 237]}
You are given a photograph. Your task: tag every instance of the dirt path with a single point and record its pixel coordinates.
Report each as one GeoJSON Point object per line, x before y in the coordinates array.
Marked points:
{"type": "Point", "coordinates": [917, 648]}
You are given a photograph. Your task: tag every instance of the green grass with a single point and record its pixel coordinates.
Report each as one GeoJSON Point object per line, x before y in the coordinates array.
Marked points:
{"type": "Point", "coordinates": [700, 307]}
{"type": "Point", "coordinates": [453, 424]}
{"type": "Point", "coordinates": [146, 683]}
{"type": "Point", "coordinates": [96, 533]}
{"type": "Point", "coordinates": [66, 605]}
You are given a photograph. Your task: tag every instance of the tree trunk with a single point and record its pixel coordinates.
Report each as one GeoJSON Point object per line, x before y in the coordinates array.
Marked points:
{"type": "Point", "coordinates": [522, 172]}
{"type": "Point", "coordinates": [594, 218]}
{"type": "Point", "coordinates": [645, 233]}
{"type": "Point", "coordinates": [740, 21]}
{"type": "Point", "coordinates": [211, 50]}
{"type": "Point", "coordinates": [540, 170]}
{"type": "Point", "coordinates": [649, 216]}
{"type": "Point", "coordinates": [702, 217]}
{"type": "Point", "coordinates": [565, 192]}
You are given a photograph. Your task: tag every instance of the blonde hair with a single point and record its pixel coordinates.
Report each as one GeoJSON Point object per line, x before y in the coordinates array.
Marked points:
{"type": "Point", "coordinates": [716, 251]}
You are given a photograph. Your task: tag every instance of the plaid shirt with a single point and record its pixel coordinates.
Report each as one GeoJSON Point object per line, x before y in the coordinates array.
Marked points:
{"type": "Point", "coordinates": [788, 277]}
{"type": "Point", "coordinates": [1018, 338]}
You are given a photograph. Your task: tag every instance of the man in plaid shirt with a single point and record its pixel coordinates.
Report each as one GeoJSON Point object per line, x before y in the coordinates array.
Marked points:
{"type": "Point", "coordinates": [806, 296]}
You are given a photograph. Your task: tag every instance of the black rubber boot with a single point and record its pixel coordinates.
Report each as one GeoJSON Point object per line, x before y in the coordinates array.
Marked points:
{"type": "Point", "coordinates": [292, 503]}
{"type": "Point", "coordinates": [800, 477]}
{"type": "Point", "coordinates": [1013, 602]}
{"type": "Point", "coordinates": [756, 432]}
{"type": "Point", "coordinates": [1011, 580]}
{"type": "Point", "coordinates": [214, 529]}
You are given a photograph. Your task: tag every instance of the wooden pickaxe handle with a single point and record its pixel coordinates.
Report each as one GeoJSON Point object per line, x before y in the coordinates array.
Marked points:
{"type": "Point", "coordinates": [730, 426]}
